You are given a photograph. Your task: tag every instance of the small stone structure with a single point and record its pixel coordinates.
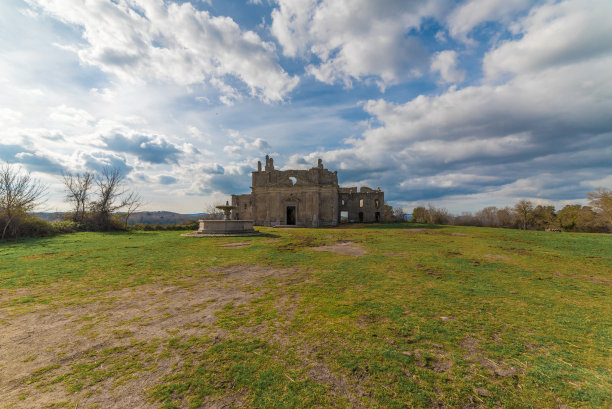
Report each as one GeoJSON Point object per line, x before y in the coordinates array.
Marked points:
{"type": "Point", "coordinates": [307, 198]}
{"type": "Point", "coordinates": [225, 227]}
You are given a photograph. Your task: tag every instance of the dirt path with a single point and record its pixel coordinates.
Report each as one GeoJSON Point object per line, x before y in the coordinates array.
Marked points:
{"type": "Point", "coordinates": [38, 347]}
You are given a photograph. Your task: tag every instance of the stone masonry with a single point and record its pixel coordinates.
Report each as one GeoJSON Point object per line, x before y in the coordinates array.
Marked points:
{"type": "Point", "coordinates": [307, 198]}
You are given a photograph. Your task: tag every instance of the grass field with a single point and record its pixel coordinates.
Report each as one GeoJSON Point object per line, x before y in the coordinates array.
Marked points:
{"type": "Point", "coordinates": [386, 316]}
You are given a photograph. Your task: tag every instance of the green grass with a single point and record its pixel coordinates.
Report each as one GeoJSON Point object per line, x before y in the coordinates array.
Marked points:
{"type": "Point", "coordinates": [447, 317]}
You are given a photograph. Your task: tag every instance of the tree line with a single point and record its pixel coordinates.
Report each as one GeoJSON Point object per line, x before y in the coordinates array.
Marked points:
{"type": "Point", "coordinates": [525, 215]}
{"type": "Point", "coordinates": [102, 202]}
{"type": "Point", "coordinates": [99, 202]}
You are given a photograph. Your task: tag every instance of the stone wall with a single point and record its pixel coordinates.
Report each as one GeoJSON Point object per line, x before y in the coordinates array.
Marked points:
{"type": "Point", "coordinates": [365, 206]}
{"type": "Point", "coordinates": [244, 204]}
{"type": "Point", "coordinates": [308, 198]}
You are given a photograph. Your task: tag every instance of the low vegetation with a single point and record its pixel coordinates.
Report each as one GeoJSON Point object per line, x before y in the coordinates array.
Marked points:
{"type": "Point", "coordinates": [393, 316]}
{"type": "Point", "coordinates": [525, 215]}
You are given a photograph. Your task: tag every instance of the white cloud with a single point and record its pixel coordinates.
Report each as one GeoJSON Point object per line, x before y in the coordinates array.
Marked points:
{"type": "Point", "coordinates": [242, 145]}
{"type": "Point", "coordinates": [445, 63]}
{"type": "Point", "coordinates": [469, 15]}
{"type": "Point", "coordinates": [540, 131]}
{"type": "Point", "coordinates": [140, 40]}
{"type": "Point", "coordinates": [9, 117]}
{"type": "Point", "coordinates": [354, 40]}
{"type": "Point", "coordinates": [555, 34]}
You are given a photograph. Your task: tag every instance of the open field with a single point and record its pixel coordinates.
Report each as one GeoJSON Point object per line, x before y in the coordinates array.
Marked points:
{"type": "Point", "coordinates": [388, 316]}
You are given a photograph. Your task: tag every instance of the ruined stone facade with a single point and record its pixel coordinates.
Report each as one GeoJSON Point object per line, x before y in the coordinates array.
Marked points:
{"type": "Point", "coordinates": [308, 198]}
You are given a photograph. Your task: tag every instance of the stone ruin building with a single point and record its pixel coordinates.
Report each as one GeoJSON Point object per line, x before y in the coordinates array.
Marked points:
{"type": "Point", "coordinates": [307, 198]}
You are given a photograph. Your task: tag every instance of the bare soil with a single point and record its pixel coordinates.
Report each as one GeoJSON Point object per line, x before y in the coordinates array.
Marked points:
{"type": "Point", "coordinates": [347, 248]}
{"type": "Point", "coordinates": [476, 354]}
{"type": "Point", "coordinates": [236, 245]}
{"type": "Point", "coordinates": [62, 335]}
{"type": "Point", "coordinates": [497, 257]}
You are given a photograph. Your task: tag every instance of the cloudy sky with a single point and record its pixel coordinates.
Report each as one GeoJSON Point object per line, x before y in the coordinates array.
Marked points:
{"type": "Point", "coordinates": [458, 104]}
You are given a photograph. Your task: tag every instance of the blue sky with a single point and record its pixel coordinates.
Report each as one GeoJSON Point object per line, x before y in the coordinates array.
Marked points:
{"type": "Point", "coordinates": [459, 104]}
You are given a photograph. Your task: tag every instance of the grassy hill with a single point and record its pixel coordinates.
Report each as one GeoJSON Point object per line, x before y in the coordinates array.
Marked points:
{"type": "Point", "coordinates": [388, 316]}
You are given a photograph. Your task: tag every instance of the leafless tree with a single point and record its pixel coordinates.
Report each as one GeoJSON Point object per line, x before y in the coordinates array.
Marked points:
{"type": "Point", "coordinates": [77, 192]}
{"type": "Point", "coordinates": [111, 197]}
{"type": "Point", "coordinates": [131, 203]}
{"type": "Point", "coordinates": [19, 194]}
{"type": "Point", "coordinates": [399, 215]}
{"type": "Point", "coordinates": [438, 215]}
{"type": "Point", "coordinates": [212, 213]}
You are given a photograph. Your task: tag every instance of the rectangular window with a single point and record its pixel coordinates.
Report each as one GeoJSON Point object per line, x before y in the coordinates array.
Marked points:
{"type": "Point", "coordinates": [360, 202]}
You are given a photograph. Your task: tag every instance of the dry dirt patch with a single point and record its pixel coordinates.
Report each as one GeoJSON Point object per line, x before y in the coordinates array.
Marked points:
{"type": "Point", "coordinates": [417, 230]}
{"type": "Point", "coordinates": [55, 339]}
{"type": "Point", "coordinates": [347, 248]}
{"type": "Point", "coordinates": [236, 245]}
{"type": "Point", "coordinates": [497, 257]}
{"type": "Point", "coordinates": [471, 345]}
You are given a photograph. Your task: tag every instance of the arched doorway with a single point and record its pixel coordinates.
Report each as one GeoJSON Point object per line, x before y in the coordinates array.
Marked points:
{"type": "Point", "coordinates": [360, 217]}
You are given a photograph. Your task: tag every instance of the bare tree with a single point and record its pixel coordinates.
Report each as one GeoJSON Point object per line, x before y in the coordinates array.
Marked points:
{"type": "Point", "coordinates": [399, 215]}
{"type": "Point", "coordinates": [438, 215]}
{"type": "Point", "coordinates": [132, 202]}
{"type": "Point", "coordinates": [212, 213]}
{"type": "Point", "coordinates": [111, 196]}
{"type": "Point", "coordinates": [19, 194]}
{"type": "Point", "coordinates": [77, 192]}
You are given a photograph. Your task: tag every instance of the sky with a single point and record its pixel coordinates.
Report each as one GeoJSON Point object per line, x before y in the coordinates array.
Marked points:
{"type": "Point", "coordinates": [459, 104]}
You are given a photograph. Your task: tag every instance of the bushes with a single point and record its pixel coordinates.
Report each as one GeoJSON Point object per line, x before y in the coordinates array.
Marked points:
{"type": "Point", "coordinates": [32, 226]}
{"type": "Point", "coordinates": [165, 227]}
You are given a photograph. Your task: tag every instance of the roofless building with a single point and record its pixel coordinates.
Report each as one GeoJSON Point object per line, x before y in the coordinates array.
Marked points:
{"type": "Point", "coordinates": [307, 198]}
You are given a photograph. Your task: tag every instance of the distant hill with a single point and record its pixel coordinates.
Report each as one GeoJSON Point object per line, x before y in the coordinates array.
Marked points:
{"type": "Point", "coordinates": [163, 218]}
{"type": "Point", "coordinates": [49, 216]}
{"type": "Point", "coordinates": [158, 217]}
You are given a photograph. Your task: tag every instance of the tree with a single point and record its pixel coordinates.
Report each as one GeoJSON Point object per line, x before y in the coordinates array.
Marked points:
{"type": "Point", "coordinates": [420, 215]}
{"type": "Point", "coordinates": [19, 194]}
{"type": "Point", "coordinates": [568, 216]}
{"type": "Point", "coordinates": [523, 210]}
{"type": "Point", "coordinates": [488, 217]}
{"type": "Point", "coordinates": [77, 192]}
{"type": "Point", "coordinates": [212, 213]}
{"type": "Point", "coordinates": [544, 217]}
{"type": "Point", "coordinates": [132, 202]}
{"type": "Point", "coordinates": [601, 200]}
{"type": "Point", "coordinates": [111, 197]}
{"type": "Point", "coordinates": [581, 218]}
{"type": "Point", "coordinates": [399, 215]}
{"type": "Point", "coordinates": [438, 215]}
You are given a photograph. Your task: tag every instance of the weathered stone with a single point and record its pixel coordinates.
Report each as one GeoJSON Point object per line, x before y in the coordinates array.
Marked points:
{"type": "Point", "coordinates": [308, 198]}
